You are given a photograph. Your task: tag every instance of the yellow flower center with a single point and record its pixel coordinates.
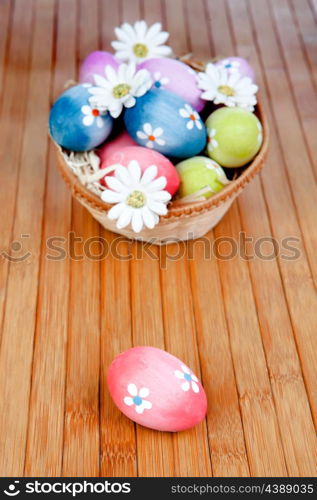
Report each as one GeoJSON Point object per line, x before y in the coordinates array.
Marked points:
{"type": "Point", "coordinates": [140, 50]}
{"type": "Point", "coordinates": [136, 199]}
{"type": "Point", "coordinates": [121, 90]}
{"type": "Point", "coordinates": [226, 90]}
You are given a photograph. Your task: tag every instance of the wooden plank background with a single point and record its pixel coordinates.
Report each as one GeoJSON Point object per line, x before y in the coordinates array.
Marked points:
{"type": "Point", "coordinates": [246, 326]}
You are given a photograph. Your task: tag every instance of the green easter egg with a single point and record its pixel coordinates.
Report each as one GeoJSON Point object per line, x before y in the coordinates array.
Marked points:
{"type": "Point", "coordinates": [234, 136]}
{"type": "Point", "coordinates": [200, 175]}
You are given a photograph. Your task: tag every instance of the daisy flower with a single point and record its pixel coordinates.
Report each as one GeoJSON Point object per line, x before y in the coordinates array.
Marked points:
{"type": "Point", "coordinates": [139, 199]}
{"type": "Point", "coordinates": [151, 135]}
{"type": "Point", "coordinates": [119, 88]}
{"type": "Point", "coordinates": [190, 380]}
{"type": "Point", "coordinates": [138, 42]}
{"type": "Point", "coordinates": [193, 117]}
{"type": "Point", "coordinates": [136, 398]}
{"type": "Point", "coordinates": [222, 87]}
{"type": "Point", "coordinates": [92, 115]}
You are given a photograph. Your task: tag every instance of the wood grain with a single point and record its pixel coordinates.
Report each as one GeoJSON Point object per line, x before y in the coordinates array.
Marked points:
{"type": "Point", "coordinates": [246, 326]}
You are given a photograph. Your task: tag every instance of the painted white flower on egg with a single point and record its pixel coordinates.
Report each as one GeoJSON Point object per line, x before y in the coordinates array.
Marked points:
{"type": "Point", "coordinates": [159, 80]}
{"type": "Point", "coordinates": [92, 115]}
{"type": "Point", "coordinates": [139, 199]}
{"type": "Point", "coordinates": [230, 66]}
{"type": "Point", "coordinates": [193, 117]}
{"type": "Point", "coordinates": [190, 380]}
{"type": "Point", "coordinates": [260, 134]}
{"type": "Point", "coordinates": [136, 398]}
{"type": "Point", "coordinates": [211, 141]}
{"type": "Point", "coordinates": [151, 135]}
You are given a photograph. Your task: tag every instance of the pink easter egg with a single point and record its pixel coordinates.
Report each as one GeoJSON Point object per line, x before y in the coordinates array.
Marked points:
{"type": "Point", "coordinates": [237, 65]}
{"type": "Point", "coordinates": [145, 158]}
{"type": "Point", "coordinates": [109, 148]}
{"type": "Point", "coordinates": [176, 77]}
{"type": "Point", "coordinates": [157, 390]}
{"type": "Point", "coordinates": [95, 63]}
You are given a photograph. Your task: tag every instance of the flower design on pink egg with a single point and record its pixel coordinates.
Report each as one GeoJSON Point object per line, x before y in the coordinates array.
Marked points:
{"type": "Point", "coordinates": [190, 380]}
{"type": "Point", "coordinates": [193, 117]}
{"type": "Point", "coordinates": [230, 66]}
{"type": "Point", "coordinates": [151, 135]}
{"type": "Point", "coordinates": [136, 398]}
{"type": "Point", "coordinates": [92, 115]}
{"type": "Point", "coordinates": [159, 80]}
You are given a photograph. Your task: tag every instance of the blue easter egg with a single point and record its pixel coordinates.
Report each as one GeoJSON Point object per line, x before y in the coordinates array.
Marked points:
{"type": "Point", "coordinates": [163, 121]}
{"type": "Point", "coordinates": [74, 124]}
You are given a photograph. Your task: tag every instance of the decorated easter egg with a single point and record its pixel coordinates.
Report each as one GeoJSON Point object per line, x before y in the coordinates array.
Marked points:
{"type": "Point", "coordinates": [146, 157]}
{"type": "Point", "coordinates": [157, 390]}
{"type": "Point", "coordinates": [121, 141]}
{"type": "Point", "coordinates": [200, 175]}
{"type": "Point", "coordinates": [176, 77]}
{"type": "Point", "coordinates": [166, 123]}
{"type": "Point", "coordinates": [74, 124]}
{"type": "Point", "coordinates": [95, 63]}
{"type": "Point", "coordinates": [234, 136]}
{"type": "Point", "coordinates": [237, 65]}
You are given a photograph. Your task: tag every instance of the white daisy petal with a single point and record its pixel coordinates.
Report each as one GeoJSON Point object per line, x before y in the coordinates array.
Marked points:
{"type": "Point", "coordinates": [122, 174]}
{"type": "Point", "coordinates": [128, 401]}
{"type": "Point", "coordinates": [194, 377]}
{"type": "Point", "coordinates": [134, 170]}
{"type": "Point", "coordinates": [163, 196]}
{"type": "Point", "coordinates": [115, 184]}
{"type": "Point", "coordinates": [115, 212]}
{"type": "Point", "coordinates": [137, 221]}
{"type": "Point", "coordinates": [148, 218]}
{"type": "Point", "coordinates": [125, 218]}
{"type": "Point", "coordinates": [110, 196]}
{"type": "Point", "coordinates": [150, 144]}
{"type": "Point", "coordinates": [144, 392]}
{"type": "Point", "coordinates": [185, 386]}
{"type": "Point", "coordinates": [160, 142]}
{"type": "Point", "coordinates": [149, 175]}
{"type": "Point", "coordinates": [99, 121]}
{"type": "Point", "coordinates": [157, 185]}
{"type": "Point", "coordinates": [132, 390]}
{"type": "Point", "coordinates": [157, 207]}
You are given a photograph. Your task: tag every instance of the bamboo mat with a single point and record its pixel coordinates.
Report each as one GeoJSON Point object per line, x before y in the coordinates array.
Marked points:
{"type": "Point", "coordinates": [246, 326]}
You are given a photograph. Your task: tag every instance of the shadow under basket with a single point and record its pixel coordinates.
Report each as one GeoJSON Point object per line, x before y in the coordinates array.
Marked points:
{"type": "Point", "coordinates": [184, 221]}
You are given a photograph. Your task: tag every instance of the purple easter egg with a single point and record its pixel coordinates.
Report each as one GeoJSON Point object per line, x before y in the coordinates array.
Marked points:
{"type": "Point", "coordinates": [176, 77]}
{"type": "Point", "coordinates": [95, 63]}
{"type": "Point", "coordinates": [157, 390]}
{"type": "Point", "coordinates": [237, 65]}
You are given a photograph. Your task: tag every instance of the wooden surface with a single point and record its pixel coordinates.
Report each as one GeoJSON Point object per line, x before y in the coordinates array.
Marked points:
{"type": "Point", "coordinates": [247, 326]}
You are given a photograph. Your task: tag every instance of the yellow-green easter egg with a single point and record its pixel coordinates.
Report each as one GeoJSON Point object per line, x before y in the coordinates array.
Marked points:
{"type": "Point", "coordinates": [200, 175]}
{"type": "Point", "coordinates": [234, 136]}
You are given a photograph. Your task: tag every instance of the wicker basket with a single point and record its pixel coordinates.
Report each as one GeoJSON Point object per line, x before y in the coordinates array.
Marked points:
{"type": "Point", "coordinates": [183, 221]}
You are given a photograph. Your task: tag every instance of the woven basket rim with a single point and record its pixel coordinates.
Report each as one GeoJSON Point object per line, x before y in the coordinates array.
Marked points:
{"type": "Point", "coordinates": [176, 208]}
